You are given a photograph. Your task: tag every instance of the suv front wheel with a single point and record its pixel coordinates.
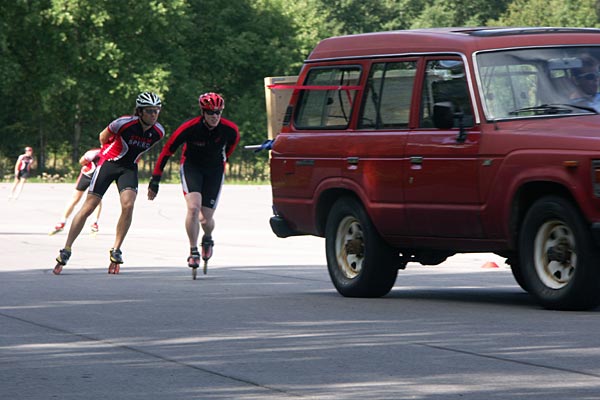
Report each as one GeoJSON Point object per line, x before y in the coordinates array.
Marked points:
{"type": "Point", "coordinates": [559, 261]}
{"type": "Point", "coordinates": [359, 262]}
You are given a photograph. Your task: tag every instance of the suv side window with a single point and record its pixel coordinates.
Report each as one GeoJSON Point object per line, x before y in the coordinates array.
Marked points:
{"type": "Point", "coordinates": [445, 81]}
{"type": "Point", "coordinates": [327, 108]}
{"type": "Point", "coordinates": [387, 95]}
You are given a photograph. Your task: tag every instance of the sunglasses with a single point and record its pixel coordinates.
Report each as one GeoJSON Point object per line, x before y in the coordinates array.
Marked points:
{"type": "Point", "coordinates": [151, 110]}
{"type": "Point", "coordinates": [213, 112]}
{"type": "Point", "coordinates": [590, 76]}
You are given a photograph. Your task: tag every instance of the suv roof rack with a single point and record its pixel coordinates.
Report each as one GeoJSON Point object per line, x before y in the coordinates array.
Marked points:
{"type": "Point", "coordinates": [487, 32]}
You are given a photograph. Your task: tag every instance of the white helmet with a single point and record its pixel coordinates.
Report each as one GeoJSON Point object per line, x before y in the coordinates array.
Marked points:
{"type": "Point", "coordinates": [148, 99]}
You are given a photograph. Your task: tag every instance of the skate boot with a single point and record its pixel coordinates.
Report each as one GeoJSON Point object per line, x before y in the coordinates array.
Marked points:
{"type": "Point", "coordinates": [116, 260]}
{"type": "Point", "coordinates": [207, 250]}
{"type": "Point", "coordinates": [194, 262]}
{"type": "Point", "coordinates": [94, 227]}
{"type": "Point", "coordinates": [61, 261]}
{"type": "Point", "coordinates": [58, 228]}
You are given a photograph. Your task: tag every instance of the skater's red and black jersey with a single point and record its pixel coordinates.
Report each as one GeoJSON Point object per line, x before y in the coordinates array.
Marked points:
{"type": "Point", "coordinates": [129, 141]}
{"type": "Point", "coordinates": [203, 147]}
{"type": "Point", "coordinates": [24, 163]}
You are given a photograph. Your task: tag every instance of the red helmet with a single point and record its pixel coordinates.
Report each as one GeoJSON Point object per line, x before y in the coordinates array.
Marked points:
{"type": "Point", "coordinates": [211, 101]}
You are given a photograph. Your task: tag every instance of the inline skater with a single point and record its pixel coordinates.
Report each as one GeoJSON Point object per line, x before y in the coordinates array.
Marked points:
{"type": "Point", "coordinates": [123, 142]}
{"type": "Point", "coordinates": [22, 170]}
{"type": "Point", "coordinates": [208, 141]}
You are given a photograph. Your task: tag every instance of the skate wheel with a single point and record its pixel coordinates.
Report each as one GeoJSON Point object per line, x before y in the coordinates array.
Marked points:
{"type": "Point", "coordinates": [113, 268]}
{"type": "Point", "coordinates": [58, 269]}
{"type": "Point", "coordinates": [205, 269]}
{"type": "Point", "coordinates": [194, 273]}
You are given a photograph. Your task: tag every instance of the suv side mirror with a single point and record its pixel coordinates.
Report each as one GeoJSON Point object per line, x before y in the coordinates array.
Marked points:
{"type": "Point", "coordinates": [443, 118]}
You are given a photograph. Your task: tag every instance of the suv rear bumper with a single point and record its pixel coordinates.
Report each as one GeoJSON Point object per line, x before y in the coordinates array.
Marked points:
{"type": "Point", "coordinates": [280, 227]}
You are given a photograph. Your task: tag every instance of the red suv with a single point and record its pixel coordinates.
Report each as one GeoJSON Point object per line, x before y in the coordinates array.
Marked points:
{"type": "Point", "coordinates": [412, 146]}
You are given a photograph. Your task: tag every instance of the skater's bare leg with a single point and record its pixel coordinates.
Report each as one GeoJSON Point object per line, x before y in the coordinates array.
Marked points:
{"type": "Point", "coordinates": [97, 212]}
{"type": "Point", "coordinates": [192, 227]}
{"type": "Point", "coordinates": [17, 188]}
{"type": "Point", "coordinates": [207, 221]}
{"type": "Point", "coordinates": [90, 203]}
{"type": "Point", "coordinates": [197, 216]}
{"type": "Point", "coordinates": [77, 195]}
{"type": "Point", "coordinates": [13, 188]}
{"type": "Point", "coordinates": [127, 198]}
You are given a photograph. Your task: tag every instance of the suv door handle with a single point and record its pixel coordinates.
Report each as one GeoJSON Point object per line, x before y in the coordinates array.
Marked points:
{"type": "Point", "coordinates": [352, 160]}
{"type": "Point", "coordinates": [416, 160]}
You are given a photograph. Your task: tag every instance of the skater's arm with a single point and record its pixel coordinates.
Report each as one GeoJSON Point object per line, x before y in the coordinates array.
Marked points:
{"type": "Point", "coordinates": [177, 139]}
{"type": "Point", "coordinates": [105, 136]}
{"type": "Point", "coordinates": [18, 164]}
{"type": "Point", "coordinates": [233, 138]}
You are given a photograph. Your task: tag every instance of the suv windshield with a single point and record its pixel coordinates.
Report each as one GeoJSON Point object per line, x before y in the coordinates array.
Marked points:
{"type": "Point", "coordinates": [540, 81]}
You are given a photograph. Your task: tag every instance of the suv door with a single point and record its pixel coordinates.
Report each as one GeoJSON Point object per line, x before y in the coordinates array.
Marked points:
{"type": "Point", "coordinates": [442, 191]}
{"type": "Point", "coordinates": [375, 160]}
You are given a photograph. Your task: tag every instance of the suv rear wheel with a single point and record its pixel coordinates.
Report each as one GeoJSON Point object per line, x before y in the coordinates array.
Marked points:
{"type": "Point", "coordinates": [359, 262]}
{"type": "Point", "coordinates": [559, 261]}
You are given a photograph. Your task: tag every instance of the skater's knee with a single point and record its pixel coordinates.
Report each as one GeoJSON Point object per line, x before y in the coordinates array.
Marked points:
{"type": "Point", "coordinates": [127, 198]}
{"type": "Point", "coordinates": [194, 212]}
{"type": "Point", "coordinates": [126, 209]}
{"type": "Point", "coordinates": [87, 209]}
{"type": "Point", "coordinates": [127, 204]}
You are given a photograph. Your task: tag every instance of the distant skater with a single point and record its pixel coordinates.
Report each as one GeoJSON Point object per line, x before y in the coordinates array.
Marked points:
{"type": "Point", "coordinates": [25, 162]}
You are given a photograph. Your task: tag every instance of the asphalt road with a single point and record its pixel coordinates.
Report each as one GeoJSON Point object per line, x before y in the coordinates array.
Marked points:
{"type": "Point", "coordinates": [265, 322]}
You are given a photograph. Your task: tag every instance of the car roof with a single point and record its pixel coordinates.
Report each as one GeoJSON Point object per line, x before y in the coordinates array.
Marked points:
{"type": "Point", "coordinates": [447, 40]}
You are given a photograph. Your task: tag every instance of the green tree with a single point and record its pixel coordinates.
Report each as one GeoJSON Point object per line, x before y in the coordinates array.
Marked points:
{"type": "Point", "coordinates": [467, 13]}
{"type": "Point", "coordinates": [23, 64]}
{"type": "Point", "coordinates": [110, 51]}
{"type": "Point", "coordinates": [576, 13]}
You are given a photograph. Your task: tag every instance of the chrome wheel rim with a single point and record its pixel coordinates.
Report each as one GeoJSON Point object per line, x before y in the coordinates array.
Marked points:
{"type": "Point", "coordinates": [349, 247]}
{"type": "Point", "coordinates": [555, 255]}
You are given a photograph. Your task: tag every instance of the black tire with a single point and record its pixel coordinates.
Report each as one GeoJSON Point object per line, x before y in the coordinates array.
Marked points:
{"type": "Point", "coordinates": [558, 259]}
{"type": "Point", "coordinates": [358, 260]}
{"type": "Point", "coordinates": [517, 272]}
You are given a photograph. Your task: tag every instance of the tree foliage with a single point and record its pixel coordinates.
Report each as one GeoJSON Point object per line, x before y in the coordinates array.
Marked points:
{"type": "Point", "coordinates": [68, 67]}
{"type": "Point", "coordinates": [576, 13]}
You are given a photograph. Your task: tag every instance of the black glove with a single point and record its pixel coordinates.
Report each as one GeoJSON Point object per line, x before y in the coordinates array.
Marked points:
{"type": "Point", "coordinates": [154, 181]}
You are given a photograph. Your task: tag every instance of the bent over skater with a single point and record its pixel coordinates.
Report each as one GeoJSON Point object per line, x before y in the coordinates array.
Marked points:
{"type": "Point", "coordinates": [89, 163]}
{"type": "Point", "coordinates": [123, 142]}
{"type": "Point", "coordinates": [208, 142]}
